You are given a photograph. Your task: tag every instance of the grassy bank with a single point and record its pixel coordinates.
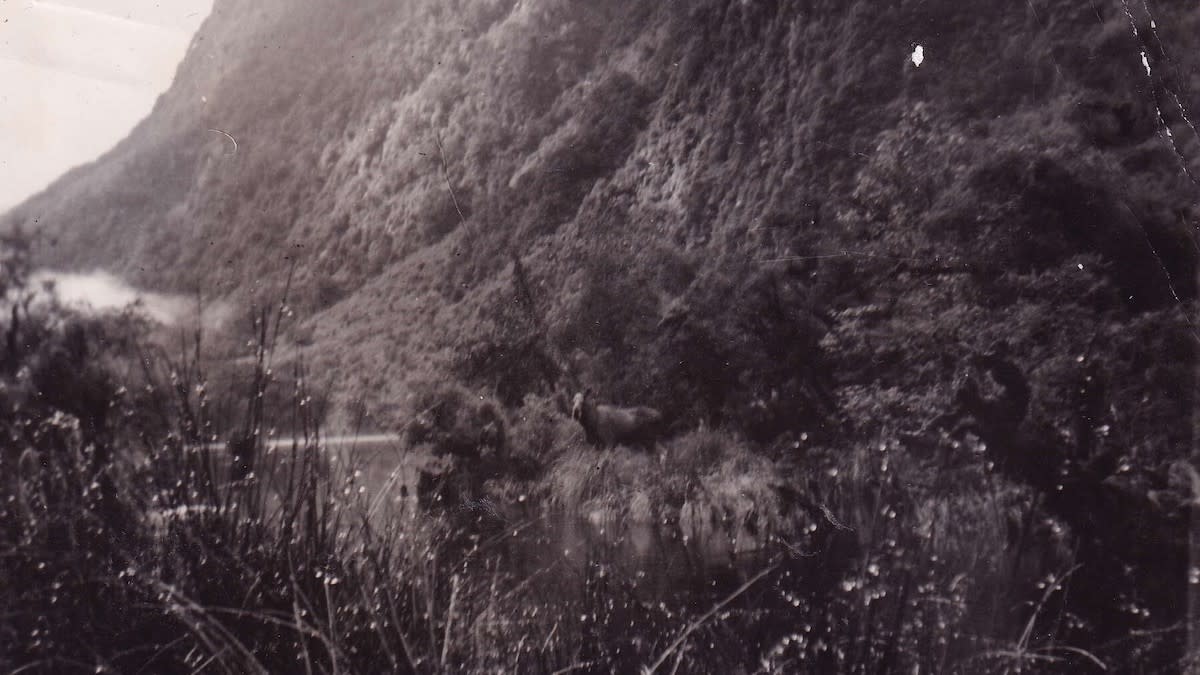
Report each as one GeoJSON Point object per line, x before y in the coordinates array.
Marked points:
{"type": "Point", "coordinates": [128, 543]}
{"type": "Point", "coordinates": [160, 563]}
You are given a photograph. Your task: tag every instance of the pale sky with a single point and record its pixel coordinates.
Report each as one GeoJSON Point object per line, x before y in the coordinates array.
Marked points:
{"type": "Point", "coordinates": [77, 75]}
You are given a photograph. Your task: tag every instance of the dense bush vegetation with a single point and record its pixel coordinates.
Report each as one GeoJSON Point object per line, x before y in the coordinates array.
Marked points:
{"type": "Point", "coordinates": [912, 537]}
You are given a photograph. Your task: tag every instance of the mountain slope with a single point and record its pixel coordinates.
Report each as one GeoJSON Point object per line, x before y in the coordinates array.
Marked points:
{"type": "Point", "coordinates": [401, 154]}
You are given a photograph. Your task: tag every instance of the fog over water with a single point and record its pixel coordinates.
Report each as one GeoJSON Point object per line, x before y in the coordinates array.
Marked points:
{"type": "Point", "coordinates": [100, 292]}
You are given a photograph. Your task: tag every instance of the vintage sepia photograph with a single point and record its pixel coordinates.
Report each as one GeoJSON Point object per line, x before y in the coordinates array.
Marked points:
{"type": "Point", "coordinates": [738, 337]}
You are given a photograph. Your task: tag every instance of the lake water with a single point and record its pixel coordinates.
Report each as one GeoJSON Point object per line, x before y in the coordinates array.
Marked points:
{"type": "Point", "coordinates": [655, 561]}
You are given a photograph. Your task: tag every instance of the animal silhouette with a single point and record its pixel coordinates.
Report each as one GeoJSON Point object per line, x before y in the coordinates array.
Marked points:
{"type": "Point", "coordinates": [609, 425]}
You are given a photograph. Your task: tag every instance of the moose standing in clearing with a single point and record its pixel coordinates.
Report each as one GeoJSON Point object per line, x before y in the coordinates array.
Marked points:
{"type": "Point", "coordinates": [609, 425]}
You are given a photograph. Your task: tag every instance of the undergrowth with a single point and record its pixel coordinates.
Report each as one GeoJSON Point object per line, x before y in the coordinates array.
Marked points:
{"type": "Point", "coordinates": [151, 524]}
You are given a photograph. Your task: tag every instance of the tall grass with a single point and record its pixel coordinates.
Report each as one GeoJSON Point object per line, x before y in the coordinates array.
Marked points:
{"type": "Point", "coordinates": [142, 546]}
{"type": "Point", "coordinates": [181, 555]}
{"type": "Point", "coordinates": [881, 562]}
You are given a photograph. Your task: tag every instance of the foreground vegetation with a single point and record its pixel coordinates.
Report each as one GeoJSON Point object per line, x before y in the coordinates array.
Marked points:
{"type": "Point", "coordinates": [133, 545]}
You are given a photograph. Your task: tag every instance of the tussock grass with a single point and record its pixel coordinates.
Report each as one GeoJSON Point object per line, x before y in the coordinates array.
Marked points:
{"type": "Point", "coordinates": [142, 546]}
{"type": "Point", "coordinates": [706, 485]}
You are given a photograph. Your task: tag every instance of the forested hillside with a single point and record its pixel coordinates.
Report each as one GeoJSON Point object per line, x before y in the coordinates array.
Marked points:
{"type": "Point", "coordinates": [978, 271]}
{"type": "Point", "coordinates": [684, 152]}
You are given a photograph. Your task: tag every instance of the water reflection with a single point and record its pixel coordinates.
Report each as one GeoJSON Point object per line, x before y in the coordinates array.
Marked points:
{"type": "Point", "coordinates": [674, 563]}
{"type": "Point", "coordinates": [653, 561]}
